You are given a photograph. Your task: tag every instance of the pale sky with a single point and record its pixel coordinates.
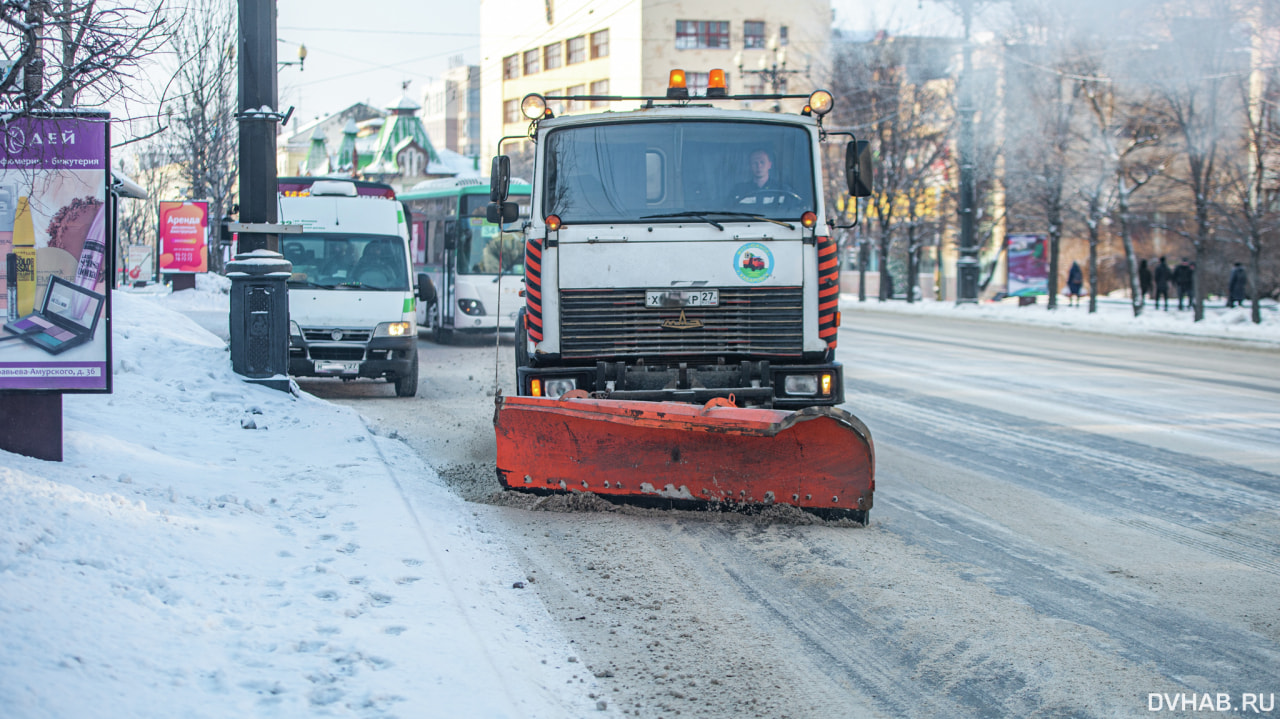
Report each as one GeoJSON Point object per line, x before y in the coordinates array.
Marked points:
{"type": "Point", "coordinates": [366, 57]}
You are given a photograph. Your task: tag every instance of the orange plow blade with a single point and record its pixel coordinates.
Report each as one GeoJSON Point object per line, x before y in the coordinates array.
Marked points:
{"type": "Point", "coordinates": [821, 459]}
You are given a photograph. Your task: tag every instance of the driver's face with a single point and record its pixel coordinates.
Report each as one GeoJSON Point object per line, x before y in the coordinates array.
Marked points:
{"type": "Point", "coordinates": [760, 166]}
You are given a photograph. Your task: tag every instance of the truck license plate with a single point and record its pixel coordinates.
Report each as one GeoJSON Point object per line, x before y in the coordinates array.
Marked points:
{"type": "Point", "coordinates": [657, 299]}
{"type": "Point", "coordinates": [328, 367]}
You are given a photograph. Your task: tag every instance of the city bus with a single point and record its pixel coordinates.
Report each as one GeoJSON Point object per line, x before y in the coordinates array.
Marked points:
{"type": "Point", "coordinates": [476, 268]}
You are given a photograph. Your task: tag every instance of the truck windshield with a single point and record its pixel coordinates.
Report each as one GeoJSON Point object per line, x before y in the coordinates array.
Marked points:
{"type": "Point", "coordinates": [333, 260]}
{"type": "Point", "coordinates": [670, 171]}
{"type": "Point", "coordinates": [480, 243]}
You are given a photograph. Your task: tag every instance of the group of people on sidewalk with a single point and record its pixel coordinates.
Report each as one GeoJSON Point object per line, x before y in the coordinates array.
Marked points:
{"type": "Point", "coordinates": [1155, 284]}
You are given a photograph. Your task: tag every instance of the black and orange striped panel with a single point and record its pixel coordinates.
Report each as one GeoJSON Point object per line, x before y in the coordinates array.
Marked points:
{"type": "Point", "coordinates": [533, 288]}
{"type": "Point", "coordinates": [828, 290]}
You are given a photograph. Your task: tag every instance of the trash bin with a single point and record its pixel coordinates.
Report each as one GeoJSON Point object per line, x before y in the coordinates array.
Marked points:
{"type": "Point", "coordinates": [259, 321]}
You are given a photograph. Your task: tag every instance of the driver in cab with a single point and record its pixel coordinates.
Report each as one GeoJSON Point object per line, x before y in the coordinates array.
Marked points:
{"type": "Point", "coordinates": [763, 180]}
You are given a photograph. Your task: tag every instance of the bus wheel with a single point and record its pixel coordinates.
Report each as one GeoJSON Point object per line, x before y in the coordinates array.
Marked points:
{"type": "Point", "coordinates": [439, 334]}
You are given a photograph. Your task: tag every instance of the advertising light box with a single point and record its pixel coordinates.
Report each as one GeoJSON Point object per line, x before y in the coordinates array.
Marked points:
{"type": "Point", "coordinates": [55, 231]}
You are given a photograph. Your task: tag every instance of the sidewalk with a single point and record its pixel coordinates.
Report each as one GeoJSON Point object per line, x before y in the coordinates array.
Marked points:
{"type": "Point", "coordinates": [212, 548]}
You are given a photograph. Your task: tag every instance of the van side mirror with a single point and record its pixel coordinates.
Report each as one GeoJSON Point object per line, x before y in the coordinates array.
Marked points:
{"type": "Point", "coordinates": [426, 289]}
{"type": "Point", "coordinates": [858, 170]}
{"type": "Point", "coordinates": [501, 214]}
{"type": "Point", "coordinates": [499, 178]}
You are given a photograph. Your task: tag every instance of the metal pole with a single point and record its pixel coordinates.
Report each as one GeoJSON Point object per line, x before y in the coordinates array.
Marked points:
{"type": "Point", "coordinates": [258, 133]}
{"type": "Point", "coordinates": [967, 261]}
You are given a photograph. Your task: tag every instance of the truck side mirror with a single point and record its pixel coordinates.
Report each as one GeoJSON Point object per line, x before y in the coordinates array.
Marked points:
{"type": "Point", "coordinates": [501, 214]}
{"type": "Point", "coordinates": [499, 178]}
{"type": "Point", "coordinates": [858, 171]}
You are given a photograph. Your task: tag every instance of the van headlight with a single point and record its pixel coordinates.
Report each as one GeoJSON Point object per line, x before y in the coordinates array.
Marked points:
{"type": "Point", "coordinates": [392, 329]}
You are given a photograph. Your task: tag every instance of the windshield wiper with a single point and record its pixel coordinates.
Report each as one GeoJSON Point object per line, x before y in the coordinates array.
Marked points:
{"type": "Point", "coordinates": [308, 283]}
{"type": "Point", "coordinates": [785, 224]}
{"type": "Point", "coordinates": [703, 216]}
{"type": "Point", "coordinates": [696, 215]}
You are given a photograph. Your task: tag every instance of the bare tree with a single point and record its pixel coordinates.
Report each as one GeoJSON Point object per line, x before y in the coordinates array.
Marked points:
{"type": "Point", "coordinates": [203, 136]}
{"type": "Point", "coordinates": [893, 85]}
{"type": "Point", "coordinates": [1244, 203]}
{"type": "Point", "coordinates": [1198, 65]}
{"type": "Point", "coordinates": [74, 52]}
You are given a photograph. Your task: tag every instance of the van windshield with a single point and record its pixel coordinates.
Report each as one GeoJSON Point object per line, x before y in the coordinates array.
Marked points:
{"type": "Point", "coordinates": [338, 260]}
{"type": "Point", "coordinates": [480, 243]}
{"type": "Point", "coordinates": [669, 171]}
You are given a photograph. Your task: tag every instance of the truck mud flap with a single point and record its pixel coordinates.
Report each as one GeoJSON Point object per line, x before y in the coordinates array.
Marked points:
{"type": "Point", "coordinates": [821, 459]}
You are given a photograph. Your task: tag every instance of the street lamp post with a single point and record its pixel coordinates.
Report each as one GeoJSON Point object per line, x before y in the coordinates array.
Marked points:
{"type": "Point", "coordinates": [967, 260]}
{"type": "Point", "coordinates": [300, 62]}
{"type": "Point", "coordinates": [773, 73]}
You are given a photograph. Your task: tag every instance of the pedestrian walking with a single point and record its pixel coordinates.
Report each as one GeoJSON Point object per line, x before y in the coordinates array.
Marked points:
{"type": "Point", "coordinates": [1182, 281]}
{"type": "Point", "coordinates": [1236, 286]}
{"type": "Point", "coordinates": [1144, 279]}
{"type": "Point", "coordinates": [1161, 279]}
{"type": "Point", "coordinates": [1075, 280]}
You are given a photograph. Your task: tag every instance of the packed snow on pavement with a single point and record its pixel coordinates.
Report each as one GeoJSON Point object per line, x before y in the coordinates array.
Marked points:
{"type": "Point", "coordinates": [211, 547]}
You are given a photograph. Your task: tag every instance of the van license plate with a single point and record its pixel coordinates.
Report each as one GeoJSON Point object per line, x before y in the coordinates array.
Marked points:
{"type": "Point", "coordinates": [656, 299]}
{"type": "Point", "coordinates": [326, 367]}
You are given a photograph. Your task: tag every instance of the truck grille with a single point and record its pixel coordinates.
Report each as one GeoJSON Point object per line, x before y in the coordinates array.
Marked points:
{"type": "Point", "coordinates": [757, 321]}
{"type": "Point", "coordinates": [325, 334]}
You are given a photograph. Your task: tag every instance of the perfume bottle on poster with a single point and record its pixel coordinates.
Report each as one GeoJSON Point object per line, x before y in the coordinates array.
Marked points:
{"type": "Point", "coordinates": [8, 291]}
{"type": "Point", "coordinates": [89, 270]}
{"type": "Point", "coordinates": [24, 249]}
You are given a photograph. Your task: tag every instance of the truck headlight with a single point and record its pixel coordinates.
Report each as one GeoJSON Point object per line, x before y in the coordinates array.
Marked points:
{"type": "Point", "coordinates": [392, 329]}
{"type": "Point", "coordinates": [800, 384]}
{"type": "Point", "coordinates": [472, 307]}
{"type": "Point", "coordinates": [294, 329]}
{"type": "Point", "coordinates": [552, 388]}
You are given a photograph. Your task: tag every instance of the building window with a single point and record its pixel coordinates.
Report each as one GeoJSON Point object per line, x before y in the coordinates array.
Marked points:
{"type": "Point", "coordinates": [782, 35]}
{"type": "Point", "coordinates": [576, 105]}
{"type": "Point", "coordinates": [600, 87]}
{"type": "Point", "coordinates": [698, 34]}
{"type": "Point", "coordinates": [553, 56]}
{"type": "Point", "coordinates": [556, 106]}
{"type": "Point", "coordinates": [599, 44]}
{"type": "Point", "coordinates": [577, 50]}
{"type": "Point", "coordinates": [753, 34]}
{"type": "Point", "coordinates": [510, 111]}
{"type": "Point", "coordinates": [753, 84]}
{"type": "Point", "coordinates": [698, 82]}
{"type": "Point", "coordinates": [510, 67]}
{"type": "Point", "coordinates": [531, 62]}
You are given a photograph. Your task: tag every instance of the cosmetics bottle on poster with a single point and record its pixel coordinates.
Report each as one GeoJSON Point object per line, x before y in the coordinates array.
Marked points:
{"type": "Point", "coordinates": [8, 196]}
{"type": "Point", "coordinates": [89, 271]}
{"type": "Point", "coordinates": [11, 288]}
{"type": "Point", "coordinates": [24, 246]}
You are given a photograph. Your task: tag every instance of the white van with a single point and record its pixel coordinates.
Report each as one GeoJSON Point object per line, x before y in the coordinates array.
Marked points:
{"type": "Point", "coordinates": [351, 298]}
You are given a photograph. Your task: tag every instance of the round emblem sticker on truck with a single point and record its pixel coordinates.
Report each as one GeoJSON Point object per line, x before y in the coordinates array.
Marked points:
{"type": "Point", "coordinates": [753, 262]}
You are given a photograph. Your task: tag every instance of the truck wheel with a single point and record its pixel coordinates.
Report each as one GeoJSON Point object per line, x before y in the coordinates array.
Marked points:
{"type": "Point", "coordinates": [522, 347]}
{"type": "Point", "coordinates": [407, 385]}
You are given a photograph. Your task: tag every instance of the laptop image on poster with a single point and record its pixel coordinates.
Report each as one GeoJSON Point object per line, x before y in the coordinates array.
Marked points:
{"type": "Point", "coordinates": [67, 318]}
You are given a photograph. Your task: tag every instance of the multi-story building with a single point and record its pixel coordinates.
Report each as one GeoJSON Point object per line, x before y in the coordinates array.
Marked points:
{"type": "Point", "coordinates": [451, 110]}
{"type": "Point", "coordinates": [629, 47]}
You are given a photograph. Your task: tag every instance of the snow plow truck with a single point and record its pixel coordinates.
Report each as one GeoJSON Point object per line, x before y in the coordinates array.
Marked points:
{"type": "Point", "coordinates": [677, 341]}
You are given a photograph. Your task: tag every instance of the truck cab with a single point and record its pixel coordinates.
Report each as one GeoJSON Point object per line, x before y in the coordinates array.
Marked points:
{"type": "Point", "coordinates": [680, 252]}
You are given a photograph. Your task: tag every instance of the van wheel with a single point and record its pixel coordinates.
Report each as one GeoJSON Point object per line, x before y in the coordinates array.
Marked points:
{"type": "Point", "coordinates": [407, 385]}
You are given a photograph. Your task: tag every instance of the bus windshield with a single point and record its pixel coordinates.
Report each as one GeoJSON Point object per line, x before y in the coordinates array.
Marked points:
{"type": "Point", "coordinates": [480, 243]}
{"type": "Point", "coordinates": [333, 260]}
{"type": "Point", "coordinates": [671, 171]}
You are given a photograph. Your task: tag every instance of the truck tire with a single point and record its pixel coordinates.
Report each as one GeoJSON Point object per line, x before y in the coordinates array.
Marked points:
{"type": "Point", "coordinates": [522, 347]}
{"type": "Point", "coordinates": [407, 385]}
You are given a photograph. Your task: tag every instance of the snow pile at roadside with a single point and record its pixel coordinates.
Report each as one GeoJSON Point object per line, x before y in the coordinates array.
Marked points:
{"type": "Point", "coordinates": [1114, 316]}
{"type": "Point", "coordinates": [213, 548]}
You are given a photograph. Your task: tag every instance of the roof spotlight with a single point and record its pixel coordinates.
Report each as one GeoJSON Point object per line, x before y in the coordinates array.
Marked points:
{"type": "Point", "coordinates": [534, 106]}
{"type": "Point", "coordinates": [821, 102]}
